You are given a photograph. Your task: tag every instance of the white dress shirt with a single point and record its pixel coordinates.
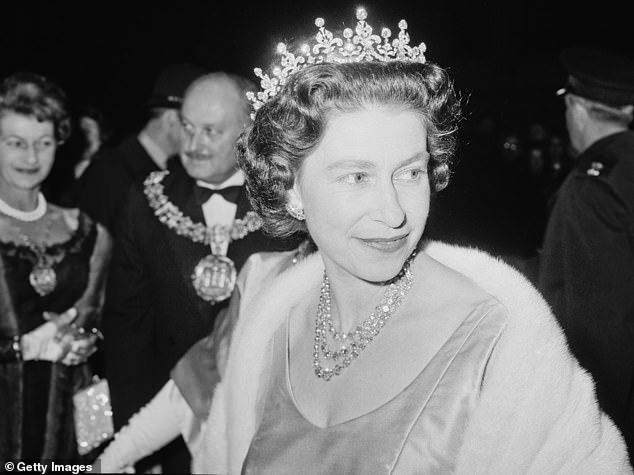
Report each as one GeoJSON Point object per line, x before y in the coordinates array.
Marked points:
{"type": "Point", "coordinates": [217, 210]}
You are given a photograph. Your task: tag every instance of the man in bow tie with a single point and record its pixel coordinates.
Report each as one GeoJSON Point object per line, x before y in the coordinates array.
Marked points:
{"type": "Point", "coordinates": [172, 274]}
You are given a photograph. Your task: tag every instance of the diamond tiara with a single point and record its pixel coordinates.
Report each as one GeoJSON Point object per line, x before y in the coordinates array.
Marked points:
{"type": "Point", "coordinates": [355, 46]}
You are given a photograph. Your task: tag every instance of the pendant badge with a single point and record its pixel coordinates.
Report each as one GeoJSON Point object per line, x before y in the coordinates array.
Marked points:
{"type": "Point", "coordinates": [214, 278]}
{"type": "Point", "coordinates": [43, 279]}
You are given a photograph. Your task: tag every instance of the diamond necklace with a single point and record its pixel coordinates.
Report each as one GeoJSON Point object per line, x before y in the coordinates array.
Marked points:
{"type": "Point", "coordinates": [351, 344]}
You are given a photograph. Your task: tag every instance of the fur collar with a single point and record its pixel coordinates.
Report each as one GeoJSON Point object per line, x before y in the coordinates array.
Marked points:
{"type": "Point", "coordinates": [526, 393]}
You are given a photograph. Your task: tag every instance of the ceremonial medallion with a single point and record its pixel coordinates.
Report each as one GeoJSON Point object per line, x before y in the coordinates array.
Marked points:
{"type": "Point", "coordinates": [214, 278]}
{"type": "Point", "coordinates": [43, 279]}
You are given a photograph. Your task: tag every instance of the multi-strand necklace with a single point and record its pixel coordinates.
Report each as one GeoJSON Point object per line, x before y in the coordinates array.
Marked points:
{"type": "Point", "coordinates": [351, 344]}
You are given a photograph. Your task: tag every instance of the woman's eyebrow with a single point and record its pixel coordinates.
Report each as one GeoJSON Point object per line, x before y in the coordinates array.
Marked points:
{"type": "Point", "coordinates": [351, 163]}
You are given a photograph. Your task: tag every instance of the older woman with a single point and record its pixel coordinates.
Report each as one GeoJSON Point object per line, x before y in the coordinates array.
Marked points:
{"type": "Point", "coordinates": [379, 353]}
{"type": "Point", "coordinates": [51, 261]}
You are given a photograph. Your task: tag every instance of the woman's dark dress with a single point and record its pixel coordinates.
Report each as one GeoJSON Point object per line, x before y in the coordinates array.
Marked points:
{"type": "Point", "coordinates": [36, 415]}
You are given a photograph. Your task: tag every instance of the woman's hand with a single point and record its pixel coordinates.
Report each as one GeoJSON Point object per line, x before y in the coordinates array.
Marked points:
{"type": "Point", "coordinates": [59, 340]}
{"type": "Point", "coordinates": [44, 343]}
{"type": "Point", "coordinates": [82, 345]}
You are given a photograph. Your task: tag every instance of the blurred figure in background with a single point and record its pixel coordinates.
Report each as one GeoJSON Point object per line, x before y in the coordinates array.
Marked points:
{"type": "Point", "coordinates": [95, 133]}
{"type": "Point", "coordinates": [514, 202]}
{"type": "Point", "coordinates": [559, 165]}
{"type": "Point", "coordinates": [52, 265]}
{"type": "Point", "coordinates": [92, 133]}
{"type": "Point", "coordinates": [105, 183]}
{"type": "Point", "coordinates": [587, 262]}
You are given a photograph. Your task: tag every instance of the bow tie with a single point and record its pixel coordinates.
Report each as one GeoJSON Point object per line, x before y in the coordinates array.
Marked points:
{"type": "Point", "coordinates": [230, 193]}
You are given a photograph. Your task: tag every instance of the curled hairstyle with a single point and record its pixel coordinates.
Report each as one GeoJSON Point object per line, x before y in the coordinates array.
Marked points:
{"type": "Point", "coordinates": [33, 95]}
{"type": "Point", "coordinates": [291, 124]}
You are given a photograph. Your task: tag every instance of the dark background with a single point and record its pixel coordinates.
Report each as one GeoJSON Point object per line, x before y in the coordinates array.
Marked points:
{"type": "Point", "coordinates": [503, 55]}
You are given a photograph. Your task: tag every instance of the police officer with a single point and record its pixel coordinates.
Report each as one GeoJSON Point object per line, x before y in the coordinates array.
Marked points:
{"type": "Point", "coordinates": [587, 260]}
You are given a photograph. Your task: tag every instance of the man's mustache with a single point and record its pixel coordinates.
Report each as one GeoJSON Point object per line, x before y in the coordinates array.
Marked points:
{"type": "Point", "coordinates": [198, 155]}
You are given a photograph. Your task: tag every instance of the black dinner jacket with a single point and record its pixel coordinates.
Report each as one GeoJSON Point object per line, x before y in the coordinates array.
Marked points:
{"type": "Point", "coordinates": [103, 187]}
{"type": "Point", "coordinates": [152, 314]}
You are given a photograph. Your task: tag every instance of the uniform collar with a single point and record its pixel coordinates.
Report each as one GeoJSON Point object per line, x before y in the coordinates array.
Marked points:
{"type": "Point", "coordinates": [153, 149]}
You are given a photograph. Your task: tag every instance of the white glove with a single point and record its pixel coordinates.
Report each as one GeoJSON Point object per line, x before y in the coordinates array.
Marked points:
{"type": "Point", "coordinates": [155, 425]}
{"type": "Point", "coordinates": [49, 341]}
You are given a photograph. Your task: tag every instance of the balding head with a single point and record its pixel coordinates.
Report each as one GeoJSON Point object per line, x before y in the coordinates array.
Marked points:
{"type": "Point", "coordinates": [215, 111]}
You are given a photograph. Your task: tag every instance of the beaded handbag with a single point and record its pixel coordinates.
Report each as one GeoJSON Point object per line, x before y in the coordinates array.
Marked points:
{"type": "Point", "coordinates": [93, 416]}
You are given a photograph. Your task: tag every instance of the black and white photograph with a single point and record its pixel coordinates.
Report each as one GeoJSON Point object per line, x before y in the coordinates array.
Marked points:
{"type": "Point", "coordinates": [288, 237]}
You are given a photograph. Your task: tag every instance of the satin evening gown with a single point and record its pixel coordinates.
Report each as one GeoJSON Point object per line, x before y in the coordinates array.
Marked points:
{"type": "Point", "coordinates": [418, 431]}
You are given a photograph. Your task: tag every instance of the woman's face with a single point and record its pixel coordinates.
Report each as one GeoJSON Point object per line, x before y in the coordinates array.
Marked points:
{"type": "Point", "coordinates": [27, 151]}
{"type": "Point", "coordinates": [365, 191]}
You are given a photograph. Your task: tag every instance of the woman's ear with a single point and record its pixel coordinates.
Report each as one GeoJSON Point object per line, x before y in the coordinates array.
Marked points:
{"type": "Point", "coordinates": [294, 203]}
{"type": "Point", "coordinates": [294, 197]}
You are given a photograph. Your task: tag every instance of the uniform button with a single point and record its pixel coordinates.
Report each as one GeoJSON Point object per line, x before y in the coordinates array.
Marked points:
{"type": "Point", "coordinates": [595, 169]}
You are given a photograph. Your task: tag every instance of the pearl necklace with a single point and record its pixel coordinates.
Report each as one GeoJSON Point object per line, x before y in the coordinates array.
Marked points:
{"type": "Point", "coordinates": [28, 216]}
{"type": "Point", "coordinates": [351, 344]}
